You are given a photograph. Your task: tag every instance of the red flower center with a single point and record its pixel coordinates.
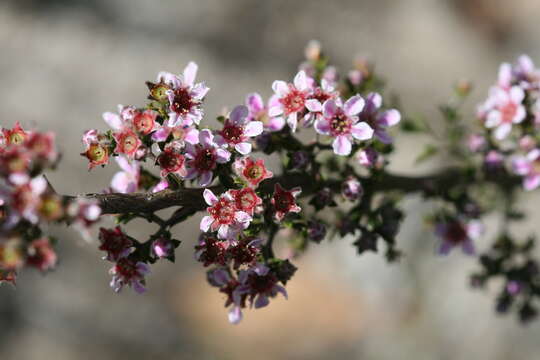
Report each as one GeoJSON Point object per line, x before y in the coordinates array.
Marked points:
{"type": "Point", "coordinates": [171, 161]}
{"type": "Point", "coordinates": [294, 101]}
{"type": "Point", "coordinates": [455, 233]}
{"type": "Point", "coordinates": [223, 211]}
{"type": "Point", "coordinates": [246, 199]}
{"type": "Point", "coordinates": [183, 102]}
{"type": "Point", "coordinates": [127, 268]}
{"type": "Point", "coordinates": [232, 134]}
{"type": "Point", "coordinates": [508, 112]}
{"type": "Point", "coordinates": [205, 160]}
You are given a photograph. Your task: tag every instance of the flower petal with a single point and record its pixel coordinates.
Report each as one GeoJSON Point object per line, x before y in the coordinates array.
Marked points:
{"type": "Point", "coordinates": [342, 145]}
{"type": "Point", "coordinates": [253, 128]}
{"type": "Point", "coordinates": [190, 72]}
{"type": "Point", "coordinates": [362, 131]}
{"type": "Point", "coordinates": [209, 197]}
{"type": "Point", "coordinates": [354, 105]}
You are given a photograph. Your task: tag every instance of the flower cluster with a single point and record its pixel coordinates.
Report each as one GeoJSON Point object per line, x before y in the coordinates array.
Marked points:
{"type": "Point", "coordinates": [27, 201]}
{"type": "Point", "coordinates": [511, 117]}
{"type": "Point", "coordinates": [127, 270]}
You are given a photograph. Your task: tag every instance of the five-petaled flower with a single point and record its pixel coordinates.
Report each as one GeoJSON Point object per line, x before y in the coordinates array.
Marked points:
{"type": "Point", "coordinates": [224, 215]}
{"type": "Point", "coordinates": [237, 130]}
{"type": "Point", "coordinates": [377, 119]}
{"type": "Point", "coordinates": [115, 243]}
{"type": "Point", "coordinates": [204, 157]}
{"type": "Point", "coordinates": [293, 99]}
{"type": "Point", "coordinates": [341, 122]}
{"type": "Point", "coordinates": [184, 95]}
{"type": "Point", "coordinates": [129, 272]}
{"type": "Point", "coordinates": [253, 172]}
{"type": "Point", "coordinates": [458, 232]}
{"type": "Point", "coordinates": [284, 201]}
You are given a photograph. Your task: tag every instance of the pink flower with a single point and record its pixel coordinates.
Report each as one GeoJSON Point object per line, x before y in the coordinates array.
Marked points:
{"type": "Point", "coordinates": [341, 122]}
{"type": "Point", "coordinates": [185, 96]}
{"type": "Point", "coordinates": [284, 201]}
{"type": "Point", "coordinates": [129, 272]}
{"type": "Point", "coordinates": [259, 112]}
{"type": "Point", "coordinates": [127, 180]}
{"type": "Point", "coordinates": [502, 109]}
{"type": "Point", "coordinates": [145, 122]}
{"type": "Point", "coordinates": [204, 157]}
{"type": "Point", "coordinates": [378, 120]}
{"type": "Point", "coordinates": [172, 162]}
{"type": "Point", "coordinates": [369, 158]}
{"type": "Point", "coordinates": [127, 143]}
{"type": "Point", "coordinates": [237, 130]}
{"type": "Point", "coordinates": [246, 200]}
{"type": "Point", "coordinates": [14, 136]}
{"type": "Point", "coordinates": [456, 232]}
{"type": "Point", "coordinates": [211, 251]}
{"type": "Point", "coordinates": [42, 146]}
{"type": "Point", "coordinates": [41, 254]}
{"type": "Point", "coordinates": [259, 284]}
{"type": "Point", "coordinates": [529, 167]}
{"type": "Point", "coordinates": [96, 152]}
{"type": "Point", "coordinates": [115, 242]}
{"type": "Point", "coordinates": [224, 216]}
{"type": "Point", "coordinates": [24, 200]}
{"type": "Point", "coordinates": [253, 172]}
{"type": "Point", "coordinates": [293, 99]}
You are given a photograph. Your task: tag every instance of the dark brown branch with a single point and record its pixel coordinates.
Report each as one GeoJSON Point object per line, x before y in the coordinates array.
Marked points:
{"type": "Point", "coordinates": [191, 200]}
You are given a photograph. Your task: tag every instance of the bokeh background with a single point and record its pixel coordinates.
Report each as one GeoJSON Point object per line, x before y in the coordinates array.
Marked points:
{"type": "Point", "coordinates": [63, 62]}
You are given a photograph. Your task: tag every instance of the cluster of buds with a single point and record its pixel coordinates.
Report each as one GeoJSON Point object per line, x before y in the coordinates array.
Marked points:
{"type": "Point", "coordinates": [27, 201]}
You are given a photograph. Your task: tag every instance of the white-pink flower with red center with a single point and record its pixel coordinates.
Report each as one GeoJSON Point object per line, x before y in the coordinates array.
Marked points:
{"type": "Point", "coordinates": [293, 99]}
{"type": "Point", "coordinates": [284, 201]}
{"type": "Point", "coordinates": [342, 123]}
{"type": "Point", "coordinates": [528, 166]}
{"type": "Point", "coordinates": [203, 158]}
{"type": "Point", "coordinates": [127, 180]}
{"type": "Point", "coordinates": [42, 146]}
{"type": "Point", "coordinates": [237, 130]}
{"type": "Point", "coordinates": [502, 109]}
{"type": "Point", "coordinates": [258, 111]}
{"type": "Point", "coordinates": [23, 200]}
{"type": "Point", "coordinates": [458, 233]}
{"type": "Point", "coordinates": [171, 161]}
{"type": "Point", "coordinates": [246, 200]}
{"type": "Point", "coordinates": [252, 172]}
{"type": "Point", "coordinates": [224, 215]}
{"type": "Point", "coordinates": [129, 272]}
{"type": "Point", "coordinates": [41, 254]}
{"type": "Point", "coordinates": [185, 96]}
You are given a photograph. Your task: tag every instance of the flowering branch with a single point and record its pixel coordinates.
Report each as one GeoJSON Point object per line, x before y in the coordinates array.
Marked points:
{"type": "Point", "coordinates": [336, 185]}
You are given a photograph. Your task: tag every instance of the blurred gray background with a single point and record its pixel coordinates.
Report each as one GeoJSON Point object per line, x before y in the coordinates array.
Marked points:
{"type": "Point", "coordinates": [64, 62]}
